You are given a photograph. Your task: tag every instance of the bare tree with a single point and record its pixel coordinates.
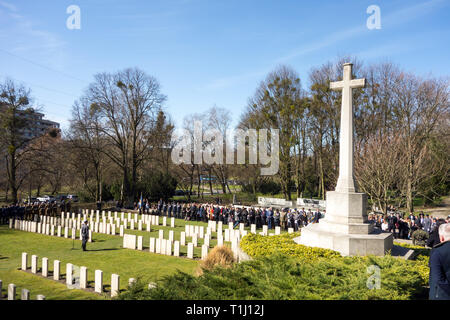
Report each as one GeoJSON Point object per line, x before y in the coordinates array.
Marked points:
{"type": "Point", "coordinates": [127, 103]}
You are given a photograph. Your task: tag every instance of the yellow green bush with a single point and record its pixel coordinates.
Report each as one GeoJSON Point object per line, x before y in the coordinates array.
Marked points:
{"type": "Point", "coordinates": [262, 246]}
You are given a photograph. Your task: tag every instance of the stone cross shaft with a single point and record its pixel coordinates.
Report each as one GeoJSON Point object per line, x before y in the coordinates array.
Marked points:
{"type": "Point", "coordinates": [346, 182]}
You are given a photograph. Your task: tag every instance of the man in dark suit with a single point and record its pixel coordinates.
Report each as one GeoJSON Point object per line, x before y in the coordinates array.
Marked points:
{"type": "Point", "coordinates": [84, 234]}
{"type": "Point", "coordinates": [427, 224]}
{"type": "Point", "coordinates": [440, 266]}
{"type": "Point", "coordinates": [160, 207]}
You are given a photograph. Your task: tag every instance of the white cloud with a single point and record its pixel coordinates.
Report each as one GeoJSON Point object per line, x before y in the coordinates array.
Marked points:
{"type": "Point", "coordinates": [395, 18]}
{"type": "Point", "coordinates": [8, 6]}
{"type": "Point", "coordinates": [26, 39]}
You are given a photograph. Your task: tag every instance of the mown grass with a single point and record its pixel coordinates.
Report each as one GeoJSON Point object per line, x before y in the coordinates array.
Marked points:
{"type": "Point", "coordinates": [105, 254]}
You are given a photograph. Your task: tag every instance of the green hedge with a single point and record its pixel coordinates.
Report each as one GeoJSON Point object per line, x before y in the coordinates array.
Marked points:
{"type": "Point", "coordinates": [281, 277]}
{"type": "Point", "coordinates": [282, 269]}
{"type": "Point", "coordinates": [262, 246]}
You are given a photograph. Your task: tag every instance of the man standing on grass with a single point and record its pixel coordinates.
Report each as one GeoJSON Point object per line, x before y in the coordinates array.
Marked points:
{"type": "Point", "coordinates": [440, 266]}
{"type": "Point", "coordinates": [84, 234]}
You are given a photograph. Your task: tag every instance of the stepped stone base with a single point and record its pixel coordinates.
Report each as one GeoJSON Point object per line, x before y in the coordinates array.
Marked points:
{"type": "Point", "coordinates": [347, 244]}
{"type": "Point", "coordinates": [345, 228]}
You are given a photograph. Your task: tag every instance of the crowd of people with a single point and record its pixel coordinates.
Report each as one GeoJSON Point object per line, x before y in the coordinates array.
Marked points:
{"type": "Point", "coordinates": [32, 211]}
{"type": "Point", "coordinates": [284, 218]}
{"type": "Point", "coordinates": [403, 227]}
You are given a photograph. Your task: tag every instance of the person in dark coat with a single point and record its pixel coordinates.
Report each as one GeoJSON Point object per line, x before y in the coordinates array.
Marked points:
{"type": "Point", "coordinates": [84, 234]}
{"type": "Point", "coordinates": [440, 266]}
{"type": "Point", "coordinates": [433, 239]}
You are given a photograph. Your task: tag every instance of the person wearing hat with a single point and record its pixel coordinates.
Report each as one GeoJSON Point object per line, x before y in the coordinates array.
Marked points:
{"type": "Point", "coordinates": [84, 234]}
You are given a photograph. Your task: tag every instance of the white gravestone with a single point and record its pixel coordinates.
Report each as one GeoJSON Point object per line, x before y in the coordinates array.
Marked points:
{"type": "Point", "coordinates": [163, 246]}
{"type": "Point", "coordinates": [69, 274]}
{"type": "Point", "coordinates": [25, 295]}
{"type": "Point", "coordinates": [83, 277]}
{"type": "Point", "coordinates": [152, 245]}
{"type": "Point", "coordinates": [227, 235]}
{"type": "Point", "coordinates": [158, 245]}
{"type": "Point", "coordinates": [24, 261]}
{"type": "Point", "coordinates": [139, 242]}
{"type": "Point", "coordinates": [56, 270]}
{"type": "Point", "coordinates": [190, 250]}
{"type": "Point", "coordinates": [204, 252]}
{"type": "Point", "coordinates": [115, 284]}
{"type": "Point", "coordinates": [168, 247]}
{"type": "Point", "coordinates": [277, 230]}
{"type": "Point", "coordinates": [176, 248]}
{"type": "Point", "coordinates": [34, 263]}
{"type": "Point", "coordinates": [98, 281]}
{"type": "Point", "coordinates": [45, 267]}
{"type": "Point", "coordinates": [220, 240]}
{"type": "Point", "coordinates": [11, 291]}
{"type": "Point", "coordinates": [183, 238]}
{"type": "Point", "coordinates": [129, 241]}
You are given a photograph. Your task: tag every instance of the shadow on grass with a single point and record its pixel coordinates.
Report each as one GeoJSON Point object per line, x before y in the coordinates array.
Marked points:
{"type": "Point", "coordinates": [109, 249]}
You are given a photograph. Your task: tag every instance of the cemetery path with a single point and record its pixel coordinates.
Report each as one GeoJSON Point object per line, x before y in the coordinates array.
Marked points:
{"type": "Point", "coordinates": [440, 211]}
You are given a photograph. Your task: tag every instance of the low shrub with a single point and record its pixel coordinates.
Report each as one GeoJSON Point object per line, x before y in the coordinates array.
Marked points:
{"type": "Point", "coordinates": [419, 237]}
{"type": "Point", "coordinates": [221, 256]}
{"type": "Point", "coordinates": [419, 250]}
{"type": "Point", "coordinates": [283, 270]}
{"type": "Point", "coordinates": [282, 277]}
{"type": "Point", "coordinates": [262, 246]}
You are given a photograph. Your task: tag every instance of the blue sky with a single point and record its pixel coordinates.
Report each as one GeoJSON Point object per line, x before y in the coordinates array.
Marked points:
{"type": "Point", "coordinates": [208, 52]}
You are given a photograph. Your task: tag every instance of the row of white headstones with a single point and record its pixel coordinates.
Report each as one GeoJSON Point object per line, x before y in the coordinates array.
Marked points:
{"type": "Point", "coordinates": [73, 281]}
{"type": "Point", "coordinates": [25, 293]}
{"type": "Point", "coordinates": [108, 225]}
{"type": "Point", "coordinates": [157, 245]}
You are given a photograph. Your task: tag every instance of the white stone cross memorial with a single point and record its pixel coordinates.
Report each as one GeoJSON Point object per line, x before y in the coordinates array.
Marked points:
{"type": "Point", "coordinates": [345, 227]}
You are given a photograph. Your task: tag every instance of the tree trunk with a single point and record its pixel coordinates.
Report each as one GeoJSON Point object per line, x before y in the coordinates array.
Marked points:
{"type": "Point", "coordinates": [13, 181]}
{"type": "Point", "coordinates": [210, 181]}
{"type": "Point", "coordinates": [409, 197]}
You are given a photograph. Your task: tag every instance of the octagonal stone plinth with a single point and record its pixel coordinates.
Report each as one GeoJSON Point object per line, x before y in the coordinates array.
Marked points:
{"type": "Point", "coordinates": [376, 243]}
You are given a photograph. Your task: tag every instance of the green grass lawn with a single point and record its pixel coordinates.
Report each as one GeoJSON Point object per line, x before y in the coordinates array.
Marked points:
{"type": "Point", "coordinates": [105, 254]}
